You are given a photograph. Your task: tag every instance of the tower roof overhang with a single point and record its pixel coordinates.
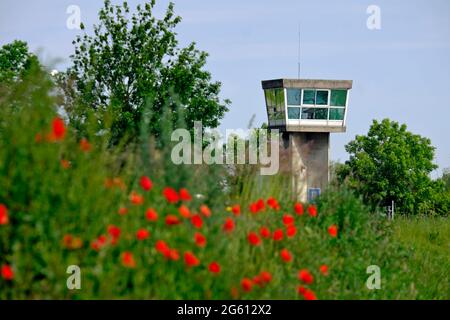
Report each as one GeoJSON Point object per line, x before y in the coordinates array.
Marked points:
{"type": "Point", "coordinates": [307, 83]}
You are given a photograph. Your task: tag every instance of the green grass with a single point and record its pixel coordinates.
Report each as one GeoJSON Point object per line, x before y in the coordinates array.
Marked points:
{"type": "Point", "coordinates": [428, 240]}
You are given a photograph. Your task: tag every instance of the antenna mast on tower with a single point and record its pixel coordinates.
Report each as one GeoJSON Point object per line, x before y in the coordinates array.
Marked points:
{"type": "Point", "coordinates": [298, 61]}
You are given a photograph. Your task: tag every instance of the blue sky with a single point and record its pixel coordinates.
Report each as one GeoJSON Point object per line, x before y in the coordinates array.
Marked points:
{"type": "Point", "coordinates": [401, 71]}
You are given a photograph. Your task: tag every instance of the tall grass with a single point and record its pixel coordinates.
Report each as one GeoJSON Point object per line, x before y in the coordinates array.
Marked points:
{"type": "Point", "coordinates": [428, 241]}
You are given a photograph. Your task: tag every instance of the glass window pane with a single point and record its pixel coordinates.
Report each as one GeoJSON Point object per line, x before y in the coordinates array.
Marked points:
{"type": "Point", "coordinates": [337, 113]}
{"type": "Point", "coordinates": [315, 113]}
{"type": "Point", "coordinates": [309, 96]}
{"type": "Point", "coordinates": [294, 113]}
{"type": "Point", "coordinates": [293, 96]}
{"type": "Point", "coordinates": [338, 98]}
{"type": "Point", "coordinates": [322, 97]}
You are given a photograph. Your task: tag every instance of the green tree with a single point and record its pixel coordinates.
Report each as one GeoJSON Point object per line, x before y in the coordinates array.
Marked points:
{"type": "Point", "coordinates": [391, 163]}
{"type": "Point", "coordinates": [133, 63]}
{"type": "Point", "coordinates": [446, 178]}
{"type": "Point", "coordinates": [15, 61]}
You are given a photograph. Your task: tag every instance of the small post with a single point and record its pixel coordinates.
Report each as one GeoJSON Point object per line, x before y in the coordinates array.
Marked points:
{"type": "Point", "coordinates": [392, 213]}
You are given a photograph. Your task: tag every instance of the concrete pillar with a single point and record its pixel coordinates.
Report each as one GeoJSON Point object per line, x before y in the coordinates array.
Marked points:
{"type": "Point", "coordinates": [306, 156]}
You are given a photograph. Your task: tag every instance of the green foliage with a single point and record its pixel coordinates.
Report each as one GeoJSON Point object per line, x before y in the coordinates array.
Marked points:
{"type": "Point", "coordinates": [391, 163]}
{"type": "Point", "coordinates": [15, 61]}
{"type": "Point", "coordinates": [47, 201]}
{"type": "Point", "coordinates": [134, 58]}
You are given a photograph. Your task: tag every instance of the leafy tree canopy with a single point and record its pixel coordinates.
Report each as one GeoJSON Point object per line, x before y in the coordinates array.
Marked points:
{"type": "Point", "coordinates": [133, 62]}
{"type": "Point", "coordinates": [391, 163]}
{"type": "Point", "coordinates": [15, 61]}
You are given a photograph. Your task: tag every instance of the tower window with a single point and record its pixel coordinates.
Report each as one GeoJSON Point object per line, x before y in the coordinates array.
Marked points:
{"type": "Point", "coordinates": [293, 96]}
{"type": "Point", "coordinates": [293, 113]}
{"type": "Point", "coordinates": [322, 97]}
{"type": "Point", "coordinates": [309, 96]}
{"type": "Point", "coordinates": [338, 98]}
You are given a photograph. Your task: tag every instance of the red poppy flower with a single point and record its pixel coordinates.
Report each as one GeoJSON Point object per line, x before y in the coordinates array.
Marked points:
{"type": "Point", "coordinates": [171, 195]}
{"type": "Point", "coordinates": [67, 240]}
{"type": "Point", "coordinates": [264, 232]}
{"type": "Point", "coordinates": [128, 260]}
{"type": "Point", "coordinates": [197, 221]}
{"type": "Point", "coordinates": [273, 203]}
{"type": "Point", "coordinates": [288, 219]}
{"type": "Point", "coordinates": [65, 164]}
{"type": "Point", "coordinates": [298, 207]}
{"type": "Point", "coordinates": [114, 231]}
{"type": "Point", "coordinates": [173, 254]}
{"type": "Point", "coordinates": [151, 214]}
{"type": "Point", "coordinates": [190, 259]}
{"type": "Point", "coordinates": [253, 208]}
{"type": "Point", "coordinates": [136, 198]}
{"type": "Point", "coordinates": [204, 210]}
{"type": "Point", "coordinates": [4, 218]}
{"type": "Point", "coordinates": [324, 269]}
{"type": "Point", "coordinates": [333, 230]}
{"type": "Point", "coordinates": [7, 272]}
{"type": "Point", "coordinates": [58, 129]}
{"type": "Point", "coordinates": [77, 243]}
{"type": "Point", "coordinates": [146, 183]}
{"type": "Point", "coordinates": [305, 276]}
{"type": "Point", "coordinates": [309, 295]}
{"type": "Point", "coordinates": [102, 239]}
{"type": "Point", "coordinates": [286, 255]}
{"type": "Point", "coordinates": [172, 220]}
{"type": "Point", "coordinates": [162, 247]}
{"type": "Point", "coordinates": [185, 195]}
{"type": "Point", "coordinates": [228, 226]}
{"type": "Point", "coordinates": [266, 276]}
{"type": "Point", "coordinates": [257, 280]}
{"type": "Point", "coordinates": [71, 242]}
{"type": "Point", "coordinates": [254, 239]}
{"type": "Point", "coordinates": [184, 211]}
{"type": "Point", "coordinates": [142, 234]}
{"type": "Point", "coordinates": [312, 210]}
{"type": "Point", "coordinates": [98, 243]}
{"type": "Point", "coordinates": [278, 235]}
{"type": "Point", "coordinates": [260, 204]}
{"type": "Point", "coordinates": [236, 209]}
{"type": "Point", "coordinates": [246, 284]}
{"type": "Point", "coordinates": [85, 146]}
{"type": "Point", "coordinates": [108, 183]}
{"type": "Point", "coordinates": [200, 240]}
{"type": "Point", "coordinates": [291, 231]}
{"type": "Point", "coordinates": [257, 206]}
{"type": "Point", "coordinates": [214, 267]}
{"type": "Point", "coordinates": [234, 292]}
{"type": "Point", "coordinates": [123, 211]}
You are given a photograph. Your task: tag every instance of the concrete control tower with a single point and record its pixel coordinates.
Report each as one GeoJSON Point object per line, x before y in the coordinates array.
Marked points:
{"type": "Point", "coordinates": [306, 112]}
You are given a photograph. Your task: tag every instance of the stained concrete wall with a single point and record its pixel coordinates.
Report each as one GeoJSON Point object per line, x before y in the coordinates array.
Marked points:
{"type": "Point", "coordinates": [305, 155]}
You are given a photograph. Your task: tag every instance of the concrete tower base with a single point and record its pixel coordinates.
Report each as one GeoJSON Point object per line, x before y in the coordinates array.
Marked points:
{"type": "Point", "coordinates": [305, 155]}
